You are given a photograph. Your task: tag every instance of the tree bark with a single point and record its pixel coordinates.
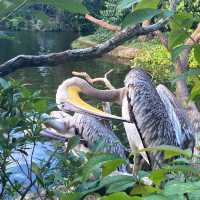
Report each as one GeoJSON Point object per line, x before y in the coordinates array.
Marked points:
{"type": "Point", "coordinates": [182, 65]}
{"type": "Point", "coordinates": [52, 59]}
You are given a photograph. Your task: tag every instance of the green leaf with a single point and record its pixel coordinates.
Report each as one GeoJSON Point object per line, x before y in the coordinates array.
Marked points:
{"type": "Point", "coordinates": [176, 187]}
{"type": "Point", "coordinates": [109, 181]}
{"type": "Point", "coordinates": [153, 4]}
{"type": "Point", "coordinates": [184, 75]}
{"type": "Point", "coordinates": [144, 190]}
{"type": "Point", "coordinates": [181, 20]}
{"type": "Point", "coordinates": [40, 180]}
{"type": "Point", "coordinates": [41, 105]}
{"type": "Point", "coordinates": [72, 142]}
{"type": "Point", "coordinates": [175, 52]}
{"type": "Point", "coordinates": [35, 168]}
{"type": "Point", "coordinates": [139, 16]}
{"type": "Point", "coordinates": [158, 175]}
{"type": "Point", "coordinates": [197, 53]}
{"type": "Point", "coordinates": [195, 91]}
{"type": "Point", "coordinates": [97, 161]}
{"type": "Point", "coordinates": [111, 166]}
{"type": "Point", "coordinates": [120, 186]}
{"type": "Point", "coordinates": [169, 151]}
{"type": "Point", "coordinates": [156, 197]}
{"type": "Point", "coordinates": [4, 84]}
{"type": "Point", "coordinates": [120, 196]}
{"type": "Point", "coordinates": [185, 169]}
{"type": "Point", "coordinates": [177, 37]}
{"type": "Point", "coordinates": [124, 4]}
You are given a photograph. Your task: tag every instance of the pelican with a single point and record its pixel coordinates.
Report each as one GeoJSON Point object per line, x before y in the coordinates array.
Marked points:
{"type": "Point", "coordinates": [151, 117]}
{"type": "Point", "coordinates": [90, 129]}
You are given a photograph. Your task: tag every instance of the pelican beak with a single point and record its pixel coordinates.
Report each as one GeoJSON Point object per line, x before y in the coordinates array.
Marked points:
{"type": "Point", "coordinates": [52, 134]}
{"type": "Point", "coordinates": [75, 104]}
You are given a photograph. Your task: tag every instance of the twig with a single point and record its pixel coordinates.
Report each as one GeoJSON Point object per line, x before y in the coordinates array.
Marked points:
{"type": "Point", "coordinates": [33, 182]}
{"type": "Point", "coordinates": [11, 183]}
{"type": "Point", "coordinates": [103, 24]}
{"type": "Point", "coordinates": [94, 80]}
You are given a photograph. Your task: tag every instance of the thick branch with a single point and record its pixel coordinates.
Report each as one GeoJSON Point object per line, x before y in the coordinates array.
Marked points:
{"type": "Point", "coordinates": [51, 59]}
{"type": "Point", "coordinates": [182, 65]}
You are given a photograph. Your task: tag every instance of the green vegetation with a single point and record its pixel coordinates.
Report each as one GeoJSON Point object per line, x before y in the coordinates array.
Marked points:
{"type": "Point", "coordinates": [76, 175]}
{"type": "Point", "coordinates": [69, 174]}
{"type": "Point", "coordinates": [111, 14]}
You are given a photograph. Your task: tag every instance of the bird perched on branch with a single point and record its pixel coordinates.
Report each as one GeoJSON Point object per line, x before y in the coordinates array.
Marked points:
{"type": "Point", "coordinates": [151, 116]}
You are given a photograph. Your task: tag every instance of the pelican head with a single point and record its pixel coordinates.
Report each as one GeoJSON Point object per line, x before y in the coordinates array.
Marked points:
{"type": "Point", "coordinates": [68, 99]}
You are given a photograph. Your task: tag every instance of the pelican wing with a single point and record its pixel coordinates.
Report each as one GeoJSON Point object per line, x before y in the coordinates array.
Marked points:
{"type": "Point", "coordinates": [132, 133]}
{"type": "Point", "coordinates": [149, 114]}
{"type": "Point", "coordinates": [181, 123]}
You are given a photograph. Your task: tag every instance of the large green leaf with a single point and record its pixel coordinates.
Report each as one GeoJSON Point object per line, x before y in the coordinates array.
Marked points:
{"type": "Point", "coordinates": [175, 187]}
{"type": "Point", "coordinates": [120, 196]}
{"type": "Point", "coordinates": [139, 16]}
{"type": "Point", "coordinates": [156, 197]}
{"type": "Point", "coordinates": [158, 175]}
{"type": "Point", "coordinates": [97, 161]}
{"type": "Point", "coordinates": [145, 4]}
{"type": "Point", "coordinates": [181, 20]}
{"type": "Point", "coordinates": [109, 181]}
{"type": "Point", "coordinates": [177, 37]}
{"type": "Point", "coordinates": [120, 186]}
{"type": "Point", "coordinates": [111, 166]}
{"type": "Point", "coordinates": [144, 190]}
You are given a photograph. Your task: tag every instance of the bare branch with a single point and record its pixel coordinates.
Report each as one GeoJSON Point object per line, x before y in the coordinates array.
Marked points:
{"type": "Point", "coordinates": [52, 59]}
{"type": "Point", "coordinates": [94, 80]}
{"type": "Point", "coordinates": [103, 24]}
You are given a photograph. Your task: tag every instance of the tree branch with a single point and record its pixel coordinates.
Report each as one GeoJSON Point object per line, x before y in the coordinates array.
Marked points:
{"type": "Point", "coordinates": [94, 80]}
{"type": "Point", "coordinates": [52, 59]}
{"type": "Point", "coordinates": [103, 24]}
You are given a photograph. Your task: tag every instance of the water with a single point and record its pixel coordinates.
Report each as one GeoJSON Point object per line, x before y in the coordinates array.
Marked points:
{"type": "Point", "coordinates": [47, 78]}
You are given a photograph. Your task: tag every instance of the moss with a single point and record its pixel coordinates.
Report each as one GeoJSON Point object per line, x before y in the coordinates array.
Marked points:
{"type": "Point", "coordinates": [155, 58]}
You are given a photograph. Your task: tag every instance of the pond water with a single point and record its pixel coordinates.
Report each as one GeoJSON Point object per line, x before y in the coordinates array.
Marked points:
{"type": "Point", "coordinates": [47, 78]}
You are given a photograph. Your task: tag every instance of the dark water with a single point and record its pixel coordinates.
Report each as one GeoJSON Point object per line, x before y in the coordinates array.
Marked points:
{"type": "Point", "coordinates": [47, 78]}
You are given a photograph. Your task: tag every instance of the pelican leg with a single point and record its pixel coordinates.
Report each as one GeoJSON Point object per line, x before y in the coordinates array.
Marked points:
{"type": "Point", "coordinates": [136, 164]}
